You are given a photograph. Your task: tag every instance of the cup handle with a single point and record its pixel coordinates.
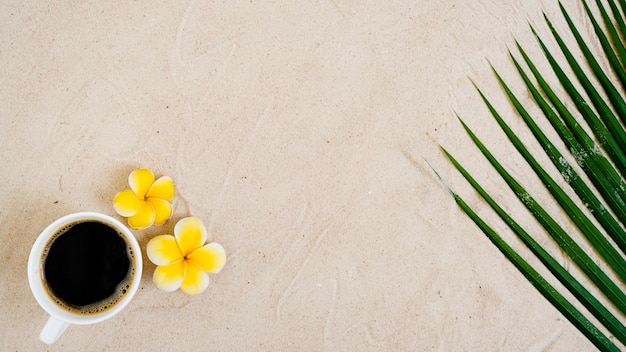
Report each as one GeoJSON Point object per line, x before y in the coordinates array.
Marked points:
{"type": "Point", "coordinates": [53, 329]}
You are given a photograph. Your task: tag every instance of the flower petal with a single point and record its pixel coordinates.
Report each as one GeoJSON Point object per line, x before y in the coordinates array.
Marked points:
{"type": "Point", "coordinates": [162, 210]}
{"type": "Point", "coordinates": [162, 188]}
{"type": "Point", "coordinates": [190, 234]}
{"type": "Point", "coordinates": [168, 278]}
{"type": "Point", "coordinates": [144, 218]}
{"type": "Point", "coordinates": [140, 181]}
{"type": "Point", "coordinates": [163, 250]}
{"type": "Point", "coordinates": [210, 257]}
{"type": "Point", "coordinates": [196, 280]}
{"type": "Point", "coordinates": [127, 203]}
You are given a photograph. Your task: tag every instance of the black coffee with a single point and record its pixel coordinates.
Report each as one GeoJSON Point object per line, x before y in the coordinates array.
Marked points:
{"type": "Point", "coordinates": [88, 266]}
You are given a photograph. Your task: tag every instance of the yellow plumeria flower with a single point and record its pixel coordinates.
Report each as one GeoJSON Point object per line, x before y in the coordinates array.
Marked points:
{"type": "Point", "coordinates": [183, 260]}
{"type": "Point", "coordinates": [147, 202]}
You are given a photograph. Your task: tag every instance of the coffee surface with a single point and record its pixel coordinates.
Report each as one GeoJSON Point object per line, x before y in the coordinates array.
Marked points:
{"type": "Point", "coordinates": [86, 264]}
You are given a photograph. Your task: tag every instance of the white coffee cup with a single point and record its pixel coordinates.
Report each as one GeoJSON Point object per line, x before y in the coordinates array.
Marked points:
{"type": "Point", "coordinates": [61, 317]}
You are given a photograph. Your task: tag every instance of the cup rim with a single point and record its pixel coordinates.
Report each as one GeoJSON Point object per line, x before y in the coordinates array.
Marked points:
{"type": "Point", "coordinates": [35, 272]}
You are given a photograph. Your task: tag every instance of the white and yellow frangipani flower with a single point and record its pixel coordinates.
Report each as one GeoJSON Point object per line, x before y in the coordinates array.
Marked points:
{"type": "Point", "coordinates": [147, 202]}
{"type": "Point", "coordinates": [184, 260]}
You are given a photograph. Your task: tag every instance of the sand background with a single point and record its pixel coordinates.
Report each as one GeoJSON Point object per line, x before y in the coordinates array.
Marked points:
{"type": "Point", "coordinates": [301, 133]}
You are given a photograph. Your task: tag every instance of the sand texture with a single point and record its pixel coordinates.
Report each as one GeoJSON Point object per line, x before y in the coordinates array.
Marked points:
{"type": "Point", "coordinates": [301, 133]}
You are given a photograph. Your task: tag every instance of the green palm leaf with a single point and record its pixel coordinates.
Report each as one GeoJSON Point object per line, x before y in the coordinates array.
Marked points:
{"type": "Point", "coordinates": [597, 239]}
{"type": "Point", "coordinates": [597, 127]}
{"type": "Point", "coordinates": [547, 290]}
{"type": "Point", "coordinates": [614, 97]}
{"type": "Point", "coordinates": [617, 15]}
{"type": "Point", "coordinates": [601, 172]}
{"type": "Point", "coordinates": [618, 46]}
{"type": "Point", "coordinates": [602, 157]}
{"type": "Point", "coordinates": [570, 175]}
{"type": "Point", "coordinates": [560, 236]}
